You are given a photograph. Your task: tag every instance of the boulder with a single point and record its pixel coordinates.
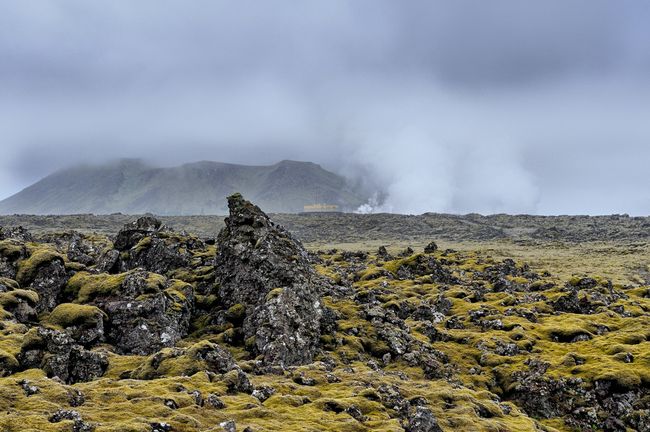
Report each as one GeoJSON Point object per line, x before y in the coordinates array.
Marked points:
{"type": "Point", "coordinates": [84, 323]}
{"type": "Point", "coordinates": [44, 272]}
{"type": "Point", "coordinates": [16, 233]}
{"type": "Point", "coordinates": [132, 233]}
{"type": "Point", "coordinates": [203, 356]}
{"type": "Point", "coordinates": [19, 302]}
{"type": "Point", "coordinates": [261, 266]}
{"type": "Point", "coordinates": [147, 243]}
{"type": "Point", "coordinates": [145, 311]}
{"type": "Point", "coordinates": [421, 419]}
{"type": "Point", "coordinates": [11, 252]}
{"type": "Point", "coordinates": [60, 356]}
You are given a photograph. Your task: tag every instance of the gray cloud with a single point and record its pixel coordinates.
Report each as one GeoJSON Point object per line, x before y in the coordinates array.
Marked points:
{"type": "Point", "coordinates": [500, 106]}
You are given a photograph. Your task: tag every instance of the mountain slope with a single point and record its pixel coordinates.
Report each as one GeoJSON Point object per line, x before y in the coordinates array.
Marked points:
{"type": "Point", "coordinates": [130, 186]}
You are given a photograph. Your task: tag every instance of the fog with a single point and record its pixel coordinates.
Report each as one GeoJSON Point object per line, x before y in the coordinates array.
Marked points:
{"type": "Point", "coordinates": [447, 106]}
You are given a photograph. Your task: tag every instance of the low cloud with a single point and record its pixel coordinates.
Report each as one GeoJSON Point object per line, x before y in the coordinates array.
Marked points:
{"type": "Point", "coordinates": [463, 106]}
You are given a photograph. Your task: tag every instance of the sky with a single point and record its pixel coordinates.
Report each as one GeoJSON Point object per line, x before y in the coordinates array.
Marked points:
{"type": "Point", "coordinates": [458, 106]}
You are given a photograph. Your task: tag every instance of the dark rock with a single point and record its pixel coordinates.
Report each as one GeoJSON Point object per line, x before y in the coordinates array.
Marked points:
{"type": "Point", "coordinates": [28, 388]}
{"type": "Point", "coordinates": [506, 349]}
{"type": "Point", "coordinates": [425, 265]}
{"type": "Point", "coordinates": [11, 253]}
{"type": "Point", "coordinates": [146, 243]}
{"type": "Point", "coordinates": [161, 427]}
{"type": "Point", "coordinates": [228, 426]}
{"type": "Point", "coordinates": [75, 397]}
{"type": "Point", "coordinates": [132, 233]}
{"type": "Point", "coordinates": [544, 397]}
{"type": "Point", "coordinates": [16, 233]}
{"type": "Point", "coordinates": [214, 401]}
{"type": "Point", "coordinates": [198, 398]}
{"type": "Point", "coordinates": [431, 247]}
{"type": "Point", "coordinates": [81, 251]}
{"type": "Point", "coordinates": [391, 397]}
{"type": "Point", "coordinates": [202, 356]}
{"type": "Point", "coordinates": [382, 253]}
{"type": "Point", "coordinates": [263, 393]}
{"type": "Point", "coordinates": [144, 317]}
{"type": "Point", "coordinates": [171, 404]}
{"type": "Point", "coordinates": [421, 419]}
{"type": "Point", "coordinates": [48, 281]}
{"type": "Point", "coordinates": [60, 356]}
{"type": "Point", "coordinates": [354, 412]}
{"type": "Point", "coordinates": [109, 262]}
{"type": "Point", "coordinates": [455, 323]}
{"type": "Point", "coordinates": [261, 266]}
{"type": "Point", "coordinates": [85, 324]}
{"type": "Point", "coordinates": [237, 381]}
{"type": "Point", "coordinates": [78, 426]}
{"type": "Point", "coordinates": [303, 380]}
{"type": "Point", "coordinates": [20, 303]}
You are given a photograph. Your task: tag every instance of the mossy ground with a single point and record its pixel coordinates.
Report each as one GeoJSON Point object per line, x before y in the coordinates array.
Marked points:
{"type": "Point", "coordinates": [468, 400]}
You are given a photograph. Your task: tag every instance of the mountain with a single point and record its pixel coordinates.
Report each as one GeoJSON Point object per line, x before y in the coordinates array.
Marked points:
{"type": "Point", "coordinates": [133, 187]}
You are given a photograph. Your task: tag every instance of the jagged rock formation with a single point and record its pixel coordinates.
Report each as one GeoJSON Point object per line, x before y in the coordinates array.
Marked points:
{"type": "Point", "coordinates": [147, 243]}
{"type": "Point", "coordinates": [58, 355]}
{"type": "Point", "coordinates": [260, 266]}
{"type": "Point", "coordinates": [144, 311]}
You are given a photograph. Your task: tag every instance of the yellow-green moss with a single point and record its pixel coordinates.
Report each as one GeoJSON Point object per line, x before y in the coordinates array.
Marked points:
{"type": "Point", "coordinates": [12, 298]}
{"type": "Point", "coordinates": [85, 286]}
{"type": "Point", "coordinates": [39, 256]}
{"type": "Point", "coordinates": [71, 314]}
{"type": "Point", "coordinates": [10, 249]}
{"type": "Point", "coordinates": [10, 283]}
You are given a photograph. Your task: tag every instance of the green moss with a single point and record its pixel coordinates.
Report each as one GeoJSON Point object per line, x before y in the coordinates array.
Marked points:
{"type": "Point", "coordinates": [8, 363]}
{"type": "Point", "coordinates": [10, 283]}
{"type": "Point", "coordinates": [85, 286]}
{"type": "Point", "coordinates": [70, 314]}
{"type": "Point", "coordinates": [39, 257]}
{"type": "Point", "coordinates": [144, 243]}
{"type": "Point", "coordinates": [276, 292]}
{"type": "Point", "coordinates": [12, 298]}
{"type": "Point", "coordinates": [236, 313]}
{"type": "Point", "coordinates": [11, 250]}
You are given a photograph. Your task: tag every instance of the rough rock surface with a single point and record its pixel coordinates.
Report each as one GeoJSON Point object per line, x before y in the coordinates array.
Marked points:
{"type": "Point", "coordinates": [48, 282]}
{"type": "Point", "coordinates": [60, 356]}
{"type": "Point", "coordinates": [203, 356]}
{"type": "Point", "coordinates": [145, 316]}
{"type": "Point", "coordinates": [145, 243]}
{"type": "Point", "coordinates": [261, 266]}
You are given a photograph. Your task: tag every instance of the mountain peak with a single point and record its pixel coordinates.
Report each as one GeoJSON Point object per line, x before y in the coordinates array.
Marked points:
{"type": "Point", "coordinates": [131, 186]}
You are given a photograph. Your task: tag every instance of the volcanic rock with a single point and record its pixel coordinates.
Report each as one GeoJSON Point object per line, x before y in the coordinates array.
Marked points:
{"type": "Point", "coordinates": [261, 266]}
{"type": "Point", "coordinates": [147, 243]}
{"type": "Point", "coordinates": [146, 312]}
{"type": "Point", "coordinates": [60, 356]}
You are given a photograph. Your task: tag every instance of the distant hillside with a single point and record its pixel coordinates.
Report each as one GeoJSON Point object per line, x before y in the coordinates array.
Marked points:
{"type": "Point", "coordinates": [132, 187]}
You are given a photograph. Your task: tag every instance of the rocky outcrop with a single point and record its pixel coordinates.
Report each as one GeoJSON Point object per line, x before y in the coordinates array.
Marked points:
{"type": "Point", "coordinates": [146, 312]}
{"type": "Point", "coordinates": [49, 280]}
{"type": "Point", "coordinates": [605, 405]}
{"type": "Point", "coordinates": [203, 356]}
{"type": "Point", "coordinates": [147, 243]}
{"type": "Point", "coordinates": [261, 266]}
{"type": "Point", "coordinates": [58, 355]}
{"type": "Point", "coordinates": [16, 233]}
{"type": "Point", "coordinates": [83, 323]}
{"type": "Point", "coordinates": [20, 303]}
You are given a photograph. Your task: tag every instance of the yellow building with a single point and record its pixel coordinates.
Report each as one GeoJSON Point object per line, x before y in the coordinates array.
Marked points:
{"type": "Point", "coordinates": [319, 208]}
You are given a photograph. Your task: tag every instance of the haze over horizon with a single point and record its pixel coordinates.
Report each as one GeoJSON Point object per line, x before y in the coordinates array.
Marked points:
{"type": "Point", "coordinates": [463, 106]}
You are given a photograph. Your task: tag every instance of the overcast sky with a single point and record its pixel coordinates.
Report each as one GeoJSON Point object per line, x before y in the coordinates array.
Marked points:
{"type": "Point", "coordinates": [451, 106]}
